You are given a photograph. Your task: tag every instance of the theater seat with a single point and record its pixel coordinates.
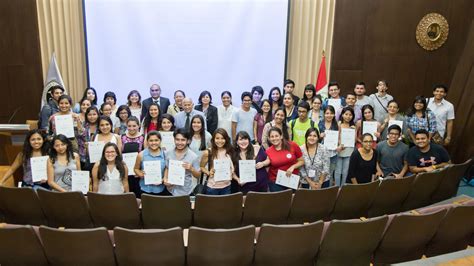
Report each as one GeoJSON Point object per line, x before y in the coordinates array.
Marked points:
{"type": "Point", "coordinates": [166, 211]}
{"type": "Point", "coordinates": [65, 209]}
{"type": "Point", "coordinates": [354, 201]}
{"type": "Point", "coordinates": [149, 246]}
{"type": "Point", "coordinates": [19, 245]}
{"type": "Point", "coordinates": [114, 210]}
{"type": "Point", "coordinates": [351, 242]}
{"type": "Point", "coordinates": [267, 207]}
{"type": "Point", "coordinates": [390, 196]}
{"type": "Point", "coordinates": [21, 206]}
{"type": "Point", "coordinates": [406, 237]}
{"type": "Point", "coordinates": [288, 244]}
{"type": "Point", "coordinates": [223, 211]}
{"type": "Point", "coordinates": [77, 246]}
{"type": "Point", "coordinates": [312, 205]}
{"type": "Point", "coordinates": [230, 247]}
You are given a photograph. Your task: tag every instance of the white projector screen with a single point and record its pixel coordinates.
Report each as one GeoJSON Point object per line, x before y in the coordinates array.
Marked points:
{"type": "Point", "coordinates": [192, 45]}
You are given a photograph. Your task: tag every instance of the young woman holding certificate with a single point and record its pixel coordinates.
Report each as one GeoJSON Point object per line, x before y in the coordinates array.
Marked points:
{"type": "Point", "coordinates": [62, 161]}
{"type": "Point", "coordinates": [347, 136]}
{"type": "Point", "coordinates": [246, 152]}
{"type": "Point", "coordinates": [282, 155]}
{"type": "Point", "coordinates": [87, 134]}
{"type": "Point", "coordinates": [105, 132]}
{"type": "Point", "coordinates": [329, 127]}
{"type": "Point", "coordinates": [367, 124]}
{"type": "Point", "coordinates": [315, 171]}
{"type": "Point", "coordinates": [35, 146]}
{"type": "Point", "coordinates": [109, 175]}
{"type": "Point", "coordinates": [200, 138]}
{"type": "Point", "coordinates": [65, 121]}
{"type": "Point", "coordinates": [132, 142]}
{"type": "Point", "coordinates": [363, 162]}
{"type": "Point", "coordinates": [216, 163]}
{"type": "Point", "coordinates": [152, 183]}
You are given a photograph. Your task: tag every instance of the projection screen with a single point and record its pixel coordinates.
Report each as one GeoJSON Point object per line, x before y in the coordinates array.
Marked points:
{"type": "Point", "coordinates": [192, 45]}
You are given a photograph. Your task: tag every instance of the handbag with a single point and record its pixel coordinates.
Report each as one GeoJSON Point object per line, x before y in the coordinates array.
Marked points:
{"type": "Point", "coordinates": [200, 188]}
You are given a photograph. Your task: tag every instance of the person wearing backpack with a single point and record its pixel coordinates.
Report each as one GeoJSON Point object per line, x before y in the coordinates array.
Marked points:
{"type": "Point", "coordinates": [300, 125]}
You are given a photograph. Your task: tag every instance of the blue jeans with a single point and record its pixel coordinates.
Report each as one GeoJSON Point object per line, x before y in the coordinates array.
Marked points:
{"type": "Point", "coordinates": [342, 169]}
{"type": "Point", "coordinates": [275, 187]}
{"type": "Point", "coordinates": [218, 191]}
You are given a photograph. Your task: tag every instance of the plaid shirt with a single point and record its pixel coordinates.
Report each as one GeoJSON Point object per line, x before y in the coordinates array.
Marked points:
{"type": "Point", "coordinates": [415, 123]}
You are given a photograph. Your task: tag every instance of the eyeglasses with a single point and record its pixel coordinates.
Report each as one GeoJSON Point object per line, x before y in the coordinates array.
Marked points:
{"type": "Point", "coordinates": [302, 111]}
{"type": "Point", "coordinates": [367, 141]}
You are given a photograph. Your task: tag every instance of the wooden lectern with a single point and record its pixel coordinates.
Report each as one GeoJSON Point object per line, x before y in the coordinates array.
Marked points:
{"type": "Point", "coordinates": [12, 137]}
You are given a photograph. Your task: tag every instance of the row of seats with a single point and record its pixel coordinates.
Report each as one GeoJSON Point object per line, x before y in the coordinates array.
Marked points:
{"type": "Point", "coordinates": [382, 240]}
{"type": "Point", "coordinates": [73, 210]}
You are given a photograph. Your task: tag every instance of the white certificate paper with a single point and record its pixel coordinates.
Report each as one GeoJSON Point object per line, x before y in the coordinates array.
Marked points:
{"type": "Point", "coordinates": [247, 171]}
{"type": "Point", "coordinates": [152, 171]}
{"type": "Point", "coordinates": [348, 137]}
{"type": "Point", "coordinates": [331, 139]}
{"type": "Point", "coordinates": [167, 140]}
{"type": "Point", "coordinates": [80, 181]}
{"type": "Point", "coordinates": [176, 173]}
{"type": "Point", "coordinates": [39, 168]}
{"type": "Point", "coordinates": [395, 122]}
{"type": "Point", "coordinates": [95, 150]}
{"type": "Point", "coordinates": [336, 103]}
{"type": "Point", "coordinates": [129, 159]}
{"type": "Point", "coordinates": [222, 170]}
{"type": "Point", "coordinates": [370, 127]}
{"type": "Point", "coordinates": [283, 180]}
{"type": "Point", "coordinates": [64, 125]}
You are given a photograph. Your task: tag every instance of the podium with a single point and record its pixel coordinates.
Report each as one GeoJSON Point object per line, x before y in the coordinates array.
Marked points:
{"type": "Point", "coordinates": [12, 137]}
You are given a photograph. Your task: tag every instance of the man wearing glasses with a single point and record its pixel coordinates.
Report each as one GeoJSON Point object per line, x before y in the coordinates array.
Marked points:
{"type": "Point", "coordinates": [300, 125]}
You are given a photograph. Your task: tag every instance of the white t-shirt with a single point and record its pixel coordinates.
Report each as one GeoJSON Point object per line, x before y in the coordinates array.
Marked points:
{"type": "Point", "coordinates": [244, 121]}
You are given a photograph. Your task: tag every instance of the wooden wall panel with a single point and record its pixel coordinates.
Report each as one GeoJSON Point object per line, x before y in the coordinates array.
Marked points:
{"type": "Point", "coordinates": [375, 39]}
{"type": "Point", "coordinates": [462, 95]}
{"type": "Point", "coordinates": [20, 61]}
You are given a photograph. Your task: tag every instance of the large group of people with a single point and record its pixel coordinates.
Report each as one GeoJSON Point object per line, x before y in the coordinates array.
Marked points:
{"type": "Point", "coordinates": [324, 141]}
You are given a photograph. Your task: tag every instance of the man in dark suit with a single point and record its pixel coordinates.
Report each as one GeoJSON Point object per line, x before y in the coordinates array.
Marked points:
{"type": "Point", "coordinates": [163, 102]}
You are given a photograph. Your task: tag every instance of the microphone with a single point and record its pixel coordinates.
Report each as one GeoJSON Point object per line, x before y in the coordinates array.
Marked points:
{"type": "Point", "coordinates": [14, 113]}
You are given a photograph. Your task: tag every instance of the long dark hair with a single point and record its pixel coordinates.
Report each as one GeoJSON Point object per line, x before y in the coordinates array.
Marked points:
{"type": "Point", "coordinates": [345, 109]}
{"type": "Point", "coordinates": [285, 145]}
{"type": "Point", "coordinates": [201, 132]}
{"type": "Point", "coordinates": [169, 118]}
{"type": "Point", "coordinates": [249, 153]}
{"type": "Point", "coordinates": [284, 124]}
{"type": "Point", "coordinates": [334, 120]}
{"type": "Point", "coordinates": [84, 96]}
{"type": "Point", "coordinates": [367, 106]}
{"type": "Point", "coordinates": [118, 162]}
{"type": "Point", "coordinates": [28, 150]}
{"type": "Point", "coordinates": [106, 118]}
{"type": "Point", "coordinates": [412, 110]}
{"type": "Point", "coordinates": [309, 87]}
{"type": "Point", "coordinates": [227, 145]}
{"type": "Point", "coordinates": [53, 155]}
{"type": "Point", "coordinates": [269, 116]}
{"type": "Point", "coordinates": [147, 120]}
{"type": "Point", "coordinates": [280, 100]}
{"type": "Point", "coordinates": [306, 135]}
{"type": "Point", "coordinates": [90, 109]}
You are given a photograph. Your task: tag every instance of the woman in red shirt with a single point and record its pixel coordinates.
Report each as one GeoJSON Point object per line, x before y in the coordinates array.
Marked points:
{"type": "Point", "coordinates": [282, 155]}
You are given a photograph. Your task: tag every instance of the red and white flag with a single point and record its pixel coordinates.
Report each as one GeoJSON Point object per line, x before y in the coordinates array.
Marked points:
{"type": "Point", "coordinates": [322, 82]}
